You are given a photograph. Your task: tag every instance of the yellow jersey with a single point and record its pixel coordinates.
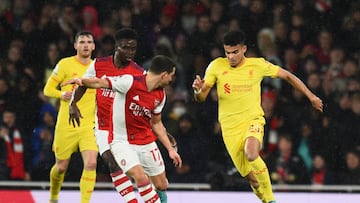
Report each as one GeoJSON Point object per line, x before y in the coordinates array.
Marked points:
{"type": "Point", "coordinates": [239, 88]}
{"type": "Point", "coordinates": [66, 69]}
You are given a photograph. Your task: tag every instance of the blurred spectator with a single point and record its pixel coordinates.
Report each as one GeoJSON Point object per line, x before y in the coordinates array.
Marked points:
{"type": "Point", "coordinates": [33, 46]}
{"type": "Point", "coordinates": [123, 17]}
{"type": "Point", "coordinates": [321, 174]}
{"type": "Point", "coordinates": [351, 68]}
{"type": "Point", "coordinates": [273, 123]}
{"type": "Point", "coordinates": [350, 28]}
{"type": "Point", "coordinates": [67, 20]}
{"type": "Point", "coordinates": [184, 56]}
{"type": "Point", "coordinates": [305, 143]}
{"type": "Point", "coordinates": [285, 166]}
{"type": "Point", "coordinates": [309, 64]}
{"type": "Point", "coordinates": [177, 108]}
{"type": "Point", "coordinates": [202, 38]}
{"type": "Point", "coordinates": [27, 105]}
{"type": "Point", "coordinates": [188, 18]}
{"type": "Point", "coordinates": [324, 43]}
{"type": "Point", "coordinates": [7, 96]}
{"type": "Point", "coordinates": [15, 157]}
{"type": "Point", "coordinates": [349, 131]}
{"type": "Point", "coordinates": [191, 146]}
{"type": "Point", "coordinates": [106, 46]}
{"type": "Point", "coordinates": [50, 60]}
{"type": "Point", "coordinates": [48, 26]}
{"type": "Point", "coordinates": [281, 30]}
{"type": "Point", "coordinates": [337, 59]}
{"type": "Point", "coordinates": [351, 174]}
{"type": "Point", "coordinates": [217, 12]}
{"type": "Point", "coordinates": [296, 38]}
{"type": "Point", "coordinates": [41, 142]}
{"type": "Point", "coordinates": [164, 47]}
{"type": "Point", "coordinates": [89, 16]}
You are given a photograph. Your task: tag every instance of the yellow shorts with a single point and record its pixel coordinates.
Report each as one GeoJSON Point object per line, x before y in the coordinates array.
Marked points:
{"type": "Point", "coordinates": [234, 140]}
{"type": "Point", "coordinates": [68, 141]}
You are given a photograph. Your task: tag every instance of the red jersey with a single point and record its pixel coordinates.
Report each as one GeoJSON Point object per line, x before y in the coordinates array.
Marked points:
{"type": "Point", "coordinates": [103, 67]}
{"type": "Point", "coordinates": [133, 108]}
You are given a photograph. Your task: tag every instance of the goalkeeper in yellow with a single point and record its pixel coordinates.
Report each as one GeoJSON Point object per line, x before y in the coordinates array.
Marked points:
{"type": "Point", "coordinates": [68, 139]}
{"type": "Point", "coordinates": [238, 83]}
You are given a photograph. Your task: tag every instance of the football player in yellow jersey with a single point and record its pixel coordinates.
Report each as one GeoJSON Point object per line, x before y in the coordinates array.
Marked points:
{"type": "Point", "coordinates": [68, 139]}
{"type": "Point", "coordinates": [238, 82]}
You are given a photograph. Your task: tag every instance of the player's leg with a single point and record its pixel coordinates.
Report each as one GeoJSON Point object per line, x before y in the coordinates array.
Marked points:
{"type": "Point", "coordinates": [57, 174]}
{"type": "Point", "coordinates": [153, 164]}
{"type": "Point", "coordinates": [259, 178]}
{"type": "Point", "coordinates": [144, 185]}
{"type": "Point", "coordinates": [160, 183]}
{"type": "Point", "coordinates": [88, 176]}
{"type": "Point", "coordinates": [127, 158]}
{"type": "Point", "coordinates": [89, 153]}
{"type": "Point", "coordinates": [122, 183]}
{"type": "Point", "coordinates": [64, 145]}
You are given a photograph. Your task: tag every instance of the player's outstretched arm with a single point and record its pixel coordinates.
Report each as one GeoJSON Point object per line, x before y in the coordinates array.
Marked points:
{"type": "Point", "coordinates": [93, 83]}
{"type": "Point", "coordinates": [316, 102]}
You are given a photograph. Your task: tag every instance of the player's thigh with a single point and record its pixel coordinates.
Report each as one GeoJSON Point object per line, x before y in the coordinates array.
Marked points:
{"type": "Point", "coordinates": [87, 139]}
{"type": "Point", "coordinates": [102, 142]}
{"type": "Point", "coordinates": [65, 143]}
{"type": "Point", "coordinates": [150, 158]}
{"type": "Point", "coordinates": [234, 140]}
{"type": "Point", "coordinates": [125, 156]}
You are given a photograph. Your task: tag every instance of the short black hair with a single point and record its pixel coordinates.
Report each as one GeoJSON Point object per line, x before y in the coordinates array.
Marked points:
{"type": "Point", "coordinates": [234, 37]}
{"type": "Point", "coordinates": [161, 63]}
{"type": "Point", "coordinates": [126, 33]}
{"type": "Point", "coordinates": [83, 33]}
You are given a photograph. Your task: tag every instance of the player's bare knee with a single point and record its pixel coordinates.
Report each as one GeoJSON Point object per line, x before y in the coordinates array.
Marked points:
{"type": "Point", "coordinates": [61, 168]}
{"type": "Point", "coordinates": [161, 184]}
{"type": "Point", "coordinates": [141, 179]}
{"type": "Point", "coordinates": [90, 164]}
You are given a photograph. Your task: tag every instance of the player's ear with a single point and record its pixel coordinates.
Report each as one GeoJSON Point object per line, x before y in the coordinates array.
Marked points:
{"type": "Point", "coordinates": [244, 48]}
{"type": "Point", "coordinates": [164, 74]}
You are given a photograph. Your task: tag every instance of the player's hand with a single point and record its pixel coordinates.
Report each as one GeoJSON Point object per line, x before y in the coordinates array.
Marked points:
{"type": "Point", "coordinates": [198, 83]}
{"type": "Point", "coordinates": [317, 103]}
{"type": "Point", "coordinates": [77, 81]}
{"type": "Point", "coordinates": [74, 114]}
{"type": "Point", "coordinates": [66, 96]}
{"type": "Point", "coordinates": [175, 157]}
{"type": "Point", "coordinates": [172, 141]}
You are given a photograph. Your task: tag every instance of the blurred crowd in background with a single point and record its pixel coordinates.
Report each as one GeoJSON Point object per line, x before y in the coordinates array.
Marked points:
{"type": "Point", "coordinates": [318, 40]}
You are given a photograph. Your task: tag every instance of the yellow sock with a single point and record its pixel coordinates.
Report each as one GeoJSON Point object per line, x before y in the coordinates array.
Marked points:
{"type": "Point", "coordinates": [258, 192]}
{"type": "Point", "coordinates": [87, 184]}
{"type": "Point", "coordinates": [261, 173]}
{"type": "Point", "coordinates": [56, 180]}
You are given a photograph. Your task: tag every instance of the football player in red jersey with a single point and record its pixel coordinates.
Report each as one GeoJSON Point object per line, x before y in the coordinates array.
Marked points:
{"type": "Point", "coordinates": [136, 122]}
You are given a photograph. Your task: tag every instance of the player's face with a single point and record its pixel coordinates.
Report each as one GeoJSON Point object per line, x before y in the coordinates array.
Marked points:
{"type": "Point", "coordinates": [125, 50]}
{"type": "Point", "coordinates": [235, 54]}
{"type": "Point", "coordinates": [166, 78]}
{"type": "Point", "coordinates": [84, 46]}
